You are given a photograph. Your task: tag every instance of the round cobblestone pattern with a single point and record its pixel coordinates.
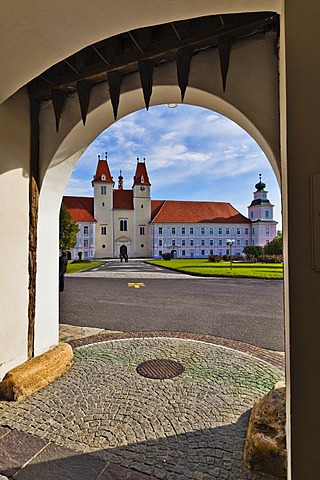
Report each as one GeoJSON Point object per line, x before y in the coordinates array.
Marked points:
{"type": "Point", "coordinates": [191, 426]}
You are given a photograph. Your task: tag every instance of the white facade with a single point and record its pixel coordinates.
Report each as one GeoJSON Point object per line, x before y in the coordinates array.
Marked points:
{"type": "Point", "coordinates": [127, 220]}
{"type": "Point", "coordinates": [85, 241]}
{"type": "Point", "coordinates": [199, 240]}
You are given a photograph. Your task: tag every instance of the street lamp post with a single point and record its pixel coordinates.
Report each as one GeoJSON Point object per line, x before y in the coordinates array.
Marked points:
{"type": "Point", "coordinates": [230, 242]}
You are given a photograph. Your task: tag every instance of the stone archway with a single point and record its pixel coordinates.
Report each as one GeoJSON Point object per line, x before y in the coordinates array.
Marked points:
{"type": "Point", "coordinates": [243, 103]}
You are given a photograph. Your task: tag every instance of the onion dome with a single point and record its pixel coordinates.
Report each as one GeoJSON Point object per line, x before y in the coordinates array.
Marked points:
{"type": "Point", "coordinates": [260, 186]}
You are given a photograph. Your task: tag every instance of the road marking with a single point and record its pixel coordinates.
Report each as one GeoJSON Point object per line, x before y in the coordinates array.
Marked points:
{"type": "Point", "coordinates": [136, 285]}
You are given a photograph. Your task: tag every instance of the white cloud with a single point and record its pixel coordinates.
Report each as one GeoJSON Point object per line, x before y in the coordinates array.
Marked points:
{"type": "Point", "coordinates": [190, 151]}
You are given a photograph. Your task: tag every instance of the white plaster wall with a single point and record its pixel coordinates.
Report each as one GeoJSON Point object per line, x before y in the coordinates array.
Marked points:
{"type": "Point", "coordinates": [47, 303]}
{"type": "Point", "coordinates": [14, 216]}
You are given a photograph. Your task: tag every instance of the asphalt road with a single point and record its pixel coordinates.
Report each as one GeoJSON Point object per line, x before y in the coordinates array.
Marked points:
{"type": "Point", "coordinates": [247, 310]}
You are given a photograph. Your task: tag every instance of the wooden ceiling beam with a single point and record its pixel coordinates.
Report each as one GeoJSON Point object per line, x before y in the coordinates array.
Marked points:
{"type": "Point", "coordinates": [160, 52]}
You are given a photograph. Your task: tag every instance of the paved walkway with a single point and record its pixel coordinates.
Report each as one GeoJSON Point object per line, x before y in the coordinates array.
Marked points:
{"type": "Point", "coordinates": [103, 420]}
{"type": "Point", "coordinates": [132, 269]}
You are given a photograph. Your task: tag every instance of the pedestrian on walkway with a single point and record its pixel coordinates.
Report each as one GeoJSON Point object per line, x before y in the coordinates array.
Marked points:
{"type": "Point", "coordinates": [63, 262]}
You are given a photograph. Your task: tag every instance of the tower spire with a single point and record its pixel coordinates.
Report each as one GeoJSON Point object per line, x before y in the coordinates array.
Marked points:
{"type": "Point", "coordinates": [120, 181]}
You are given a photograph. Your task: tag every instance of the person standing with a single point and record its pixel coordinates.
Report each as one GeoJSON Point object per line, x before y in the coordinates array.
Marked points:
{"type": "Point", "coordinates": [63, 262]}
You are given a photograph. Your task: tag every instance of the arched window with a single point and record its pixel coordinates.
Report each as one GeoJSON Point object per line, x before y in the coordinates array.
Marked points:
{"type": "Point", "coordinates": [123, 225]}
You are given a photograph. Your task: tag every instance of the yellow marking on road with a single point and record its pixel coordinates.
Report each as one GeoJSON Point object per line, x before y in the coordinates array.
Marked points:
{"type": "Point", "coordinates": [136, 285]}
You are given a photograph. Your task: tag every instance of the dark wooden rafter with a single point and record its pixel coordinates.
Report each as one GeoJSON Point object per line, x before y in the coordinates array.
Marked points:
{"type": "Point", "coordinates": [103, 58]}
{"type": "Point", "coordinates": [224, 47]}
{"type": "Point", "coordinates": [184, 56]}
{"type": "Point", "coordinates": [84, 92]}
{"type": "Point", "coordinates": [114, 80]}
{"type": "Point", "coordinates": [34, 189]}
{"type": "Point", "coordinates": [146, 77]}
{"type": "Point", "coordinates": [115, 54]}
{"type": "Point", "coordinates": [58, 98]}
{"type": "Point", "coordinates": [135, 42]}
{"type": "Point", "coordinates": [174, 28]}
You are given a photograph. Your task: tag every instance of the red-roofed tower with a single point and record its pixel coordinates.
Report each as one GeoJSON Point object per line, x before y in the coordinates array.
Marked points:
{"type": "Point", "coordinates": [103, 206]}
{"type": "Point", "coordinates": [142, 209]}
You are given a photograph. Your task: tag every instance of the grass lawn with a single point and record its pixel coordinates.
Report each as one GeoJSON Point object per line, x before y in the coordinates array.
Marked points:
{"type": "Point", "coordinates": [204, 268]}
{"type": "Point", "coordinates": [77, 267]}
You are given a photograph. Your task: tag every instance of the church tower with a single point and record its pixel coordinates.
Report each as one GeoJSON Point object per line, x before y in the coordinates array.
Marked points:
{"type": "Point", "coordinates": [142, 210]}
{"type": "Point", "coordinates": [260, 212]}
{"type": "Point", "coordinates": [103, 207]}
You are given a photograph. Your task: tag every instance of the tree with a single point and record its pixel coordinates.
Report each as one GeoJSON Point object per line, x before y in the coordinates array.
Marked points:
{"type": "Point", "coordinates": [252, 250]}
{"type": "Point", "coordinates": [68, 229]}
{"type": "Point", "coordinates": [275, 247]}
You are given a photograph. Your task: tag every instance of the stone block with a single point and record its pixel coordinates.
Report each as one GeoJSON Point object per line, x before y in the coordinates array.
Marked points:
{"type": "Point", "coordinates": [27, 378]}
{"type": "Point", "coordinates": [265, 446]}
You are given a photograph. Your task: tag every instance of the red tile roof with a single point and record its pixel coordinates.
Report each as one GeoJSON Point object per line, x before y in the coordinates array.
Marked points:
{"type": "Point", "coordinates": [171, 211]}
{"type": "Point", "coordinates": [141, 171]}
{"type": "Point", "coordinates": [155, 207]}
{"type": "Point", "coordinates": [123, 199]}
{"type": "Point", "coordinates": [102, 169]}
{"type": "Point", "coordinates": [80, 208]}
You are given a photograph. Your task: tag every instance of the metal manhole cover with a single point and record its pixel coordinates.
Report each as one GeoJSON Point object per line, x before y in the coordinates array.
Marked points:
{"type": "Point", "coordinates": [160, 369]}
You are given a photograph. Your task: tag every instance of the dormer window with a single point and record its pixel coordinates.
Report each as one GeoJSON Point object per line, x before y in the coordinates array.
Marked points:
{"type": "Point", "coordinates": [142, 179]}
{"type": "Point", "coordinates": [103, 177]}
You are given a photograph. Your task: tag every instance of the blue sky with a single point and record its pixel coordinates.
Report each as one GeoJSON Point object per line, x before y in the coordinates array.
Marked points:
{"type": "Point", "coordinates": [191, 154]}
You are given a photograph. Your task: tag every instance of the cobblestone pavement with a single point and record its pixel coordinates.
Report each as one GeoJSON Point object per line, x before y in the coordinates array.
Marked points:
{"type": "Point", "coordinates": [189, 427]}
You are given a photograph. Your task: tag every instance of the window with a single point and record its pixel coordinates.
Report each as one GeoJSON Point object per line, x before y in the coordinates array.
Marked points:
{"type": "Point", "coordinates": [160, 243]}
{"type": "Point", "coordinates": [141, 205]}
{"type": "Point", "coordinates": [191, 230]}
{"type": "Point", "coordinates": [103, 230]}
{"type": "Point", "coordinates": [220, 242]}
{"type": "Point", "coordinates": [220, 230]}
{"type": "Point", "coordinates": [247, 242]}
{"type": "Point", "coordinates": [211, 231]}
{"type": "Point", "coordinates": [183, 230]}
{"type": "Point", "coordinates": [85, 230]}
{"type": "Point", "coordinates": [183, 242]}
{"type": "Point", "coordinates": [173, 230]}
{"type": "Point", "coordinates": [267, 213]}
{"type": "Point", "coordinates": [267, 231]}
{"type": "Point", "coordinates": [253, 231]}
{"type": "Point", "coordinates": [160, 252]}
{"type": "Point", "coordinates": [238, 231]}
{"type": "Point", "coordinates": [191, 243]}
{"type": "Point", "coordinates": [246, 231]}
{"type": "Point", "coordinates": [252, 242]}
{"type": "Point", "coordinates": [102, 204]}
{"type": "Point", "coordinates": [160, 230]}
{"type": "Point", "coordinates": [227, 231]}
{"type": "Point", "coordinates": [183, 252]}
{"type": "Point", "coordinates": [103, 190]}
{"type": "Point", "coordinates": [211, 252]}
{"type": "Point", "coordinates": [123, 225]}
{"type": "Point", "coordinates": [173, 243]}
{"type": "Point", "coordinates": [85, 243]}
{"type": "Point", "coordinates": [238, 242]}
{"type": "Point", "coordinates": [202, 243]}
{"type": "Point", "coordinates": [202, 252]}
{"type": "Point", "coordinates": [202, 230]}
{"type": "Point", "coordinates": [211, 242]}
{"type": "Point", "coordinates": [251, 214]}
{"type": "Point", "coordinates": [142, 230]}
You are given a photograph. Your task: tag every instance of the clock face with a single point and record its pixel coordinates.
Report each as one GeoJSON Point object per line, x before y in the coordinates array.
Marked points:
{"type": "Point", "coordinates": [142, 189]}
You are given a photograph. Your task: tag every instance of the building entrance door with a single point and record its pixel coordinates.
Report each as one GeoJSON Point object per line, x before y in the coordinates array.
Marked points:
{"type": "Point", "coordinates": [123, 252]}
